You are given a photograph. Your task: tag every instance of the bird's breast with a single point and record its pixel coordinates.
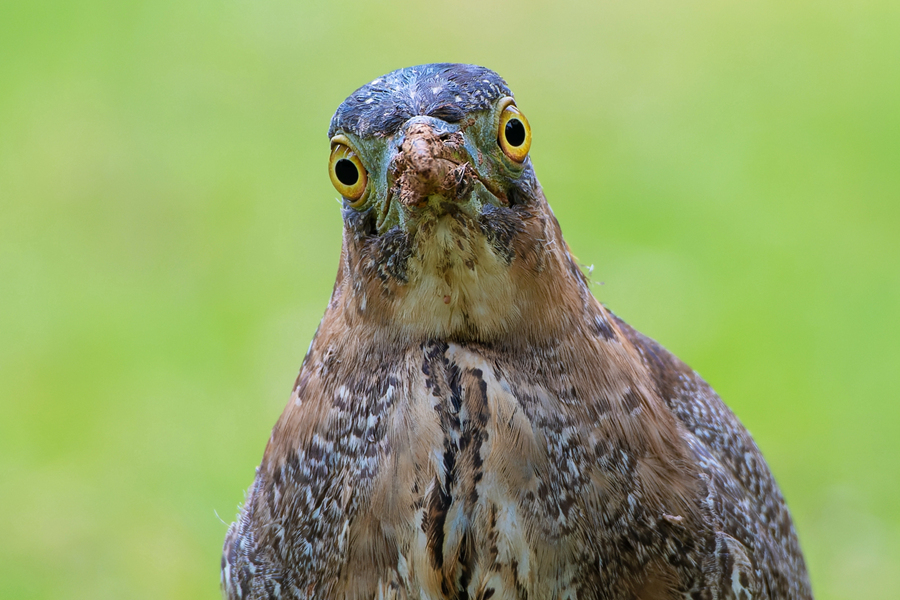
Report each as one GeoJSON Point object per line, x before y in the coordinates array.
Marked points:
{"type": "Point", "coordinates": [468, 470]}
{"type": "Point", "coordinates": [463, 492]}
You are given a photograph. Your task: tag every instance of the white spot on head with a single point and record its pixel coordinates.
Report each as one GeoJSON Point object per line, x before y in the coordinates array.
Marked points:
{"type": "Point", "coordinates": [370, 100]}
{"type": "Point", "coordinates": [436, 89]}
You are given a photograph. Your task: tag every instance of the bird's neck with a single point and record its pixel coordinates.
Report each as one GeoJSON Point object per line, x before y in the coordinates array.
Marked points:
{"type": "Point", "coordinates": [507, 279]}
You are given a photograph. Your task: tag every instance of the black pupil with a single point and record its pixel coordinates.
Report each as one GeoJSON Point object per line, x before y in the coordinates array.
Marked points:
{"type": "Point", "coordinates": [515, 132]}
{"type": "Point", "coordinates": [346, 172]}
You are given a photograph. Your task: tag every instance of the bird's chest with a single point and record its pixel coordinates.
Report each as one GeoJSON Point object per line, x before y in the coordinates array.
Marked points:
{"type": "Point", "coordinates": [478, 493]}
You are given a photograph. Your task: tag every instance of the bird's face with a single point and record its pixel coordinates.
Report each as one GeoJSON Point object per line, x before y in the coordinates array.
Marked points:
{"type": "Point", "coordinates": [446, 227]}
{"type": "Point", "coordinates": [431, 167]}
{"type": "Point", "coordinates": [424, 142]}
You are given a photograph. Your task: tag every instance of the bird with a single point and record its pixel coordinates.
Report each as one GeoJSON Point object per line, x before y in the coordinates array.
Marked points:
{"type": "Point", "coordinates": [469, 421]}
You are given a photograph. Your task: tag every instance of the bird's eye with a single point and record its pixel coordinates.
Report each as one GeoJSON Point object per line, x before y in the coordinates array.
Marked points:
{"type": "Point", "coordinates": [514, 133]}
{"type": "Point", "coordinates": [347, 173]}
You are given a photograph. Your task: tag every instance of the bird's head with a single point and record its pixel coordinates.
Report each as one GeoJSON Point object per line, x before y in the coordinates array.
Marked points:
{"type": "Point", "coordinates": [446, 229]}
{"type": "Point", "coordinates": [424, 142]}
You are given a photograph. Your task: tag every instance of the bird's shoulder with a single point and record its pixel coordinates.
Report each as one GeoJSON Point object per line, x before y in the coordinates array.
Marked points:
{"type": "Point", "coordinates": [751, 518]}
{"type": "Point", "coordinates": [318, 466]}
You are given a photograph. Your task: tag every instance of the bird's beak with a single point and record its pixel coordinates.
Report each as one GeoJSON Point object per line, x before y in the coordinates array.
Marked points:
{"type": "Point", "coordinates": [430, 165]}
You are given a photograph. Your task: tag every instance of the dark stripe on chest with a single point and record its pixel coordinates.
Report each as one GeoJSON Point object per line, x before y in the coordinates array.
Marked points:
{"type": "Point", "coordinates": [461, 403]}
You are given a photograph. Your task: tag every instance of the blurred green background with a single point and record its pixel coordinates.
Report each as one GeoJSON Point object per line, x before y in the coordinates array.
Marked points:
{"type": "Point", "coordinates": [169, 237]}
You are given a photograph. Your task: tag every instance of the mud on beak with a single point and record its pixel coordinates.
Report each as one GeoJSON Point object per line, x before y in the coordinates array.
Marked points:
{"type": "Point", "coordinates": [431, 164]}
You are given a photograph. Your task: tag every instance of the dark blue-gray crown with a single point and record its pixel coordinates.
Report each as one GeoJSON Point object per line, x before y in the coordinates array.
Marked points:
{"type": "Point", "coordinates": [446, 91]}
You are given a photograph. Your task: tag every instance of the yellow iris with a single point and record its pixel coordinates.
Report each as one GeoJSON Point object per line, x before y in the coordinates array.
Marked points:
{"type": "Point", "coordinates": [514, 132]}
{"type": "Point", "coordinates": [348, 175]}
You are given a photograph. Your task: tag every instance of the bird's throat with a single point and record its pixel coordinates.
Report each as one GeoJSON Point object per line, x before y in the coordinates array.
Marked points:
{"type": "Point", "coordinates": [458, 282]}
{"type": "Point", "coordinates": [489, 279]}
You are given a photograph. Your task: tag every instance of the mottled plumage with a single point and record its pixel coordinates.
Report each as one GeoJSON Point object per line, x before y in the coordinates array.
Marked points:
{"type": "Point", "coordinates": [469, 422]}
